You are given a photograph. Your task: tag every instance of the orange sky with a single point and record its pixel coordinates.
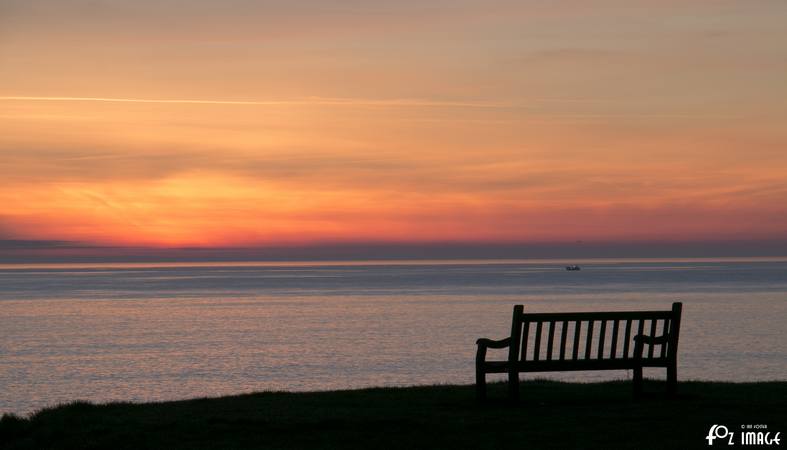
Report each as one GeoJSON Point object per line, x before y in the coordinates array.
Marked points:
{"type": "Point", "coordinates": [241, 123]}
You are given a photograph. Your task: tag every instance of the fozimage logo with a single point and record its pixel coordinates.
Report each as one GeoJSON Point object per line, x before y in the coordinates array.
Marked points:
{"type": "Point", "coordinates": [749, 434]}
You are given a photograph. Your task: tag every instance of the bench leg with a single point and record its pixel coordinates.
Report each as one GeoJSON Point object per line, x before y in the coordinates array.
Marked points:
{"type": "Point", "coordinates": [672, 380]}
{"type": "Point", "coordinates": [513, 386]}
{"type": "Point", "coordinates": [637, 382]}
{"type": "Point", "coordinates": [480, 384]}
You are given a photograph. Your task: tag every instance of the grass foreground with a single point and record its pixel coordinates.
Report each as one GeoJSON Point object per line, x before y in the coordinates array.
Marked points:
{"type": "Point", "coordinates": [550, 415]}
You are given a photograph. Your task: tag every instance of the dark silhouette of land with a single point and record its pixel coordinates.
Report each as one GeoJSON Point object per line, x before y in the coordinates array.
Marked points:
{"type": "Point", "coordinates": [554, 415]}
{"type": "Point", "coordinates": [57, 251]}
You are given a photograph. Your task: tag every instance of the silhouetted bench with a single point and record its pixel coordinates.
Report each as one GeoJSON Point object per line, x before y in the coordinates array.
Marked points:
{"type": "Point", "coordinates": [557, 342]}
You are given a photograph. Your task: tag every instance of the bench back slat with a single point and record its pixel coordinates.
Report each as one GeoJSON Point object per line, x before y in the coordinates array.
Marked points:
{"type": "Point", "coordinates": [641, 327]}
{"type": "Point", "coordinates": [606, 338]}
{"type": "Point", "coordinates": [563, 336]}
{"type": "Point", "coordinates": [652, 333]}
{"type": "Point", "coordinates": [602, 334]}
{"type": "Point", "coordinates": [627, 339]}
{"type": "Point", "coordinates": [550, 338]}
{"type": "Point", "coordinates": [577, 331]}
{"type": "Point", "coordinates": [614, 346]}
{"type": "Point", "coordinates": [589, 339]}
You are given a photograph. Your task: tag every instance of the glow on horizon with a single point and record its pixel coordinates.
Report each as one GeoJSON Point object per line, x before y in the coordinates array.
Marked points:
{"type": "Point", "coordinates": [509, 122]}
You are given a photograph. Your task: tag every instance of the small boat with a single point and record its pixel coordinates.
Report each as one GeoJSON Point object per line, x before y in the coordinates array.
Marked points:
{"type": "Point", "coordinates": [574, 267]}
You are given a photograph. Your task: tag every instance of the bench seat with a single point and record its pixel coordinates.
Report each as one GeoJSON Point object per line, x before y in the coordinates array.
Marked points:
{"type": "Point", "coordinates": [564, 366]}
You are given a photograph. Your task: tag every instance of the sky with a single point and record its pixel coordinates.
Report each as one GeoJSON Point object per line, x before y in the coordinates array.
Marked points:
{"type": "Point", "coordinates": [236, 124]}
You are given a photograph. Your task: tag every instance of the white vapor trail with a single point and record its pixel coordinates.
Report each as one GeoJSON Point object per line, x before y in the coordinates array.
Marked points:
{"type": "Point", "coordinates": [532, 105]}
{"type": "Point", "coordinates": [301, 102]}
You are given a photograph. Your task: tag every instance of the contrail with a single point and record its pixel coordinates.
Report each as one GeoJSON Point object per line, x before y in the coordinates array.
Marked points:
{"type": "Point", "coordinates": [329, 101]}
{"type": "Point", "coordinates": [401, 102]}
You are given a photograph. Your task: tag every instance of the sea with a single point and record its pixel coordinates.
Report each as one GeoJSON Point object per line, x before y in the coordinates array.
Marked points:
{"type": "Point", "coordinates": [163, 331]}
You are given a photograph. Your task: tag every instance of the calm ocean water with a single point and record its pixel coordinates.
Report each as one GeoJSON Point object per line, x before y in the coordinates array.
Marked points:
{"type": "Point", "coordinates": [143, 332]}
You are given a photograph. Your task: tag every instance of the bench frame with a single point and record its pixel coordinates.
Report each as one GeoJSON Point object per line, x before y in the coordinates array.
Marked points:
{"type": "Point", "coordinates": [556, 359]}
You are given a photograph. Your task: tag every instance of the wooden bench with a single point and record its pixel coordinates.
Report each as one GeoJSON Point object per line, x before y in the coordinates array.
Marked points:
{"type": "Point", "coordinates": [553, 342]}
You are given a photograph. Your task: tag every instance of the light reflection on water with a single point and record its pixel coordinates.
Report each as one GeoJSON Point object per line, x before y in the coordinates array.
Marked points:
{"type": "Point", "coordinates": [159, 332]}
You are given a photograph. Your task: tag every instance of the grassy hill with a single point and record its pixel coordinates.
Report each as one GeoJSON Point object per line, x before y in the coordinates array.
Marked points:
{"type": "Point", "coordinates": [551, 415]}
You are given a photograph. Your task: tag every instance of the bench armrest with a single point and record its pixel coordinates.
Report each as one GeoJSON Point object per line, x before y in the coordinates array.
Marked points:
{"type": "Point", "coordinates": [489, 343]}
{"type": "Point", "coordinates": [640, 340]}
{"type": "Point", "coordinates": [651, 340]}
{"type": "Point", "coordinates": [484, 344]}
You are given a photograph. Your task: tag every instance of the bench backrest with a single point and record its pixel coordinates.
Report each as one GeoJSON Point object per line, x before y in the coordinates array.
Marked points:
{"type": "Point", "coordinates": [591, 335]}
